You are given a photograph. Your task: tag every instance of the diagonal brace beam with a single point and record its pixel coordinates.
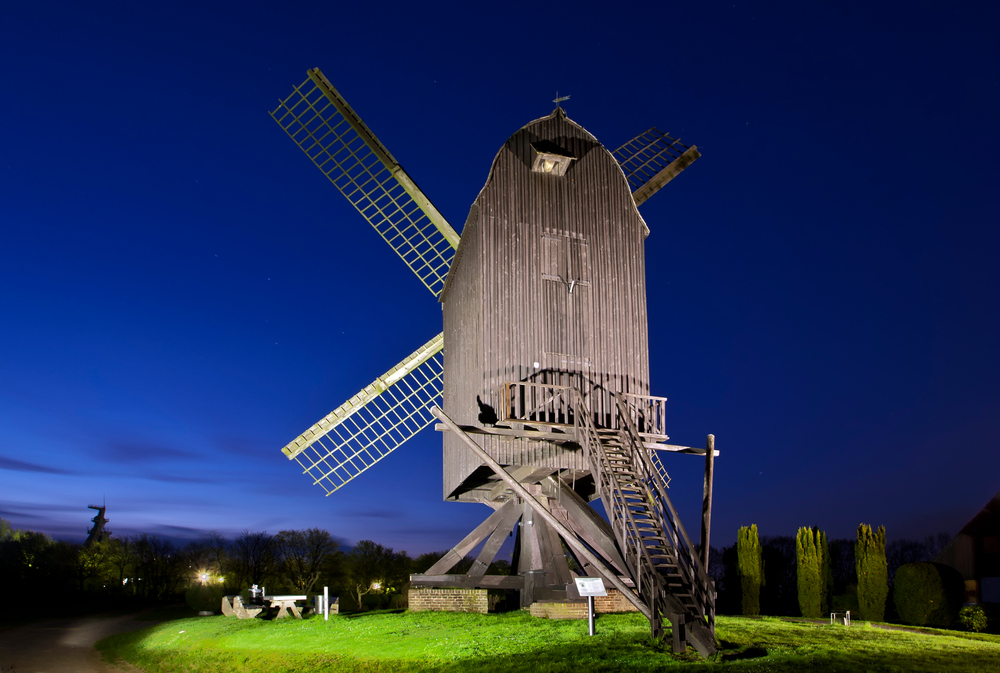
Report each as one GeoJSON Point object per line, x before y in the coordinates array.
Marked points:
{"type": "Point", "coordinates": [492, 546]}
{"type": "Point", "coordinates": [458, 552]}
{"type": "Point", "coordinates": [540, 510]}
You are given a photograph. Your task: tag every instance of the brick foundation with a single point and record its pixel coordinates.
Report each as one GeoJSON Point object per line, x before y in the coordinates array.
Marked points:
{"type": "Point", "coordinates": [613, 602]}
{"type": "Point", "coordinates": [560, 609]}
{"type": "Point", "coordinates": [449, 600]}
{"type": "Point", "coordinates": [577, 609]}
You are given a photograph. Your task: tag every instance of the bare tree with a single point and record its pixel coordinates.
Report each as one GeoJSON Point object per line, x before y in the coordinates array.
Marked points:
{"type": "Point", "coordinates": [303, 554]}
{"type": "Point", "coordinates": [158, 566]}
{"type": "Point", "coordinates": [253, 558]}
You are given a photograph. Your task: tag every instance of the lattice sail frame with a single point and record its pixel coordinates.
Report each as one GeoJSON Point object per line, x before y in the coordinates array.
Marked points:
{"type": "Point", "coordinates": [373, 423]}
{"type": "Point", "coordinates": [332, 135]}
{"type": "Point", "coordinates": [651, 160]}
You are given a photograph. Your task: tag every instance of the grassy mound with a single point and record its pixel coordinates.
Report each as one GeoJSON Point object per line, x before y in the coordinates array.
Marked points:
{"type": "Point", "coordinates": [446, 643]}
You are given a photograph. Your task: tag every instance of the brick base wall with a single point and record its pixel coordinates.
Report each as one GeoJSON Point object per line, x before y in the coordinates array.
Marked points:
{"type": "Point", "coordinates": [577, 609]}
{"type": "Point", "coordinates": [613, 602]}
{"type": "Point", "coordinates": [449, 600]}
{"type": "Point", "coordinates": [560, 609]}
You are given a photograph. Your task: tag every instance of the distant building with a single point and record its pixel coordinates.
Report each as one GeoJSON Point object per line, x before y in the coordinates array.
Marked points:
{"type": "Point", "coordinates": [98, 533]}
{"type": "Point", "coordinates": [975, 553]}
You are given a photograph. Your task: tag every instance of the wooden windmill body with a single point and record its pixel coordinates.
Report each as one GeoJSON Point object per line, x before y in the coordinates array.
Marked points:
{"type": "Point", "coordinates": [548, 287]}
{"type": "Point", "coordinates": [544, 403]}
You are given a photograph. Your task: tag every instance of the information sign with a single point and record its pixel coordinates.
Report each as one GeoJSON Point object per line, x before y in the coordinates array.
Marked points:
{"type": "Point", "coordinates": [590, 586]}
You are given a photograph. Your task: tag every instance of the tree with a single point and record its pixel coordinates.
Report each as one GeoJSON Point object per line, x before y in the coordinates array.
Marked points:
{"type": "Point", "coordinates": [253, 558]}
{"type": "Point", "coordinates": [873, 580]}
{"type": "Point", "coordinates": [303, 555]}
{"type": "Point", "coordinates": [812, 556]}
{"type": "Point", "coordinates": [826, 574]}
{"type": "Point", "coordinates": [371, 567]}
{"type": "Point", "coordinates": [157, 565]}
{"type": "Point", "coordinates": [751, 568]}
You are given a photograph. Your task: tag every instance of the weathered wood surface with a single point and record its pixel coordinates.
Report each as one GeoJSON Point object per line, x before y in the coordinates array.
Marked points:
{"type": "Point", "coordinates": [548, 285]}
{"type": "Point", "coordinates": [468, 582]}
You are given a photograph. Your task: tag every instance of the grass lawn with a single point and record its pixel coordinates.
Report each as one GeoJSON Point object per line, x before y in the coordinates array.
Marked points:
{"type": "Point", "coordinates": [447, 642]}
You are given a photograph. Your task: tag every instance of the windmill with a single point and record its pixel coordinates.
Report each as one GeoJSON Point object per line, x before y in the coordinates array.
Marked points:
{"type": "Point", "coordinates": [544, 404]}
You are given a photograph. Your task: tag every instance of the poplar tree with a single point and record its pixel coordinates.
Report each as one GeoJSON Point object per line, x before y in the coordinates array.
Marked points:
{"type": "Point", "coordinates": [812, 558]}
{"type": "Point", "coordinates": [751, 568]}
{"type": "Point", "coordinates": [873, 577]}
{"type": "Point", "coordinates": [826, 574]}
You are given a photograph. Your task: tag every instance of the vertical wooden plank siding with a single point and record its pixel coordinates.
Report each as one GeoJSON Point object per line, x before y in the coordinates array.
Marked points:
{"type": "Point", "coordinates": [509, 314]}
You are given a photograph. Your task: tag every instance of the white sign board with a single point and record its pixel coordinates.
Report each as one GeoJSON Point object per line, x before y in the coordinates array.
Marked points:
{"type": "Point", "coordinates": [590, 586]}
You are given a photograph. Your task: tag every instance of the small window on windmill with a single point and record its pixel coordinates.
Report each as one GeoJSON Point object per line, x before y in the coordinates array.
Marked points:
{"type": "Point", "coordinates": [550, 158]}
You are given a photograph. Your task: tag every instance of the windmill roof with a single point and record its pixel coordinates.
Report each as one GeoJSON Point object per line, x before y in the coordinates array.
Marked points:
{"type": "Point", "coordinates": [554, 133]}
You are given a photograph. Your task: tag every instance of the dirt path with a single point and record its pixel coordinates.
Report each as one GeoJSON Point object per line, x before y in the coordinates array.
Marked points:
{"type": "Point", "coordinates": [62, 645]}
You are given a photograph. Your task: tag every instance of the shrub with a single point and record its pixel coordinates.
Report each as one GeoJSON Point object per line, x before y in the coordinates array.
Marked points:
{"type": "Point", "coordinates": [751, 567]}
{"type": "Point", "coordinates": [202, 598]}
{"type": "Point", "coordinates": [873, 578]}
{"type": "Point", "coordinates": [973, 617]}
{"type": "Point", "coordinates": [928, 594]}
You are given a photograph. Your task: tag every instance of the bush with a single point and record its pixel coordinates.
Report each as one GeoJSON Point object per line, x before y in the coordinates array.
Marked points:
{"type": "Point", "coordinates": [928, 594]}
{"type": "Point", "coordinates": [973, 617]}
{"type": "Point", "coordinates": [201, 598]}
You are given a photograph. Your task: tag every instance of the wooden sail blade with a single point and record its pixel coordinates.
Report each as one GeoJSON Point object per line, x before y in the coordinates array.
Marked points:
{"type": "Point", "coordinates": [651, 160]}
{"type": "Point", "coordinates": [325, 127]}
{"type": "Point", "coordinates": [373, 423]}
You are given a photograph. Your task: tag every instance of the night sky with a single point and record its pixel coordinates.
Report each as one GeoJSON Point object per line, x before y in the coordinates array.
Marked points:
{"type": "Point", "coordinates": [182, 292]}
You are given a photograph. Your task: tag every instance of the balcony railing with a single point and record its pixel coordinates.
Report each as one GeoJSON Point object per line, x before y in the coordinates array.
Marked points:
{"type": "Point", "coordinates": [551, 405]}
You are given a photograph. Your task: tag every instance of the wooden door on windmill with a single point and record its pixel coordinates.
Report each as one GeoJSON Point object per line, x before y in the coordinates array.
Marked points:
{"type": "Point", "coordinates": [566, 311]}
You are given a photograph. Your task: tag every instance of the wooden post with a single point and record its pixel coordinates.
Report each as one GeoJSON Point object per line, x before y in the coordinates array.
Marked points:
{"type": "Point", "coordinates": [678, 631]}
{"type": "Point", "coordinates": [706, 503]}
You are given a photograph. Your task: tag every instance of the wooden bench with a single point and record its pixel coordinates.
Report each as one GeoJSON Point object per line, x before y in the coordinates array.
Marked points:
{"type": "Point", "coordinates": [285, 605]}
{"type": "Point", "coordinates": [232, 606]}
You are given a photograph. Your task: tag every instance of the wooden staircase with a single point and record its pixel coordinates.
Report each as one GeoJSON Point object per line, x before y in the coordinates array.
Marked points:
{"type": "Point", "coordinates": [666, 571]}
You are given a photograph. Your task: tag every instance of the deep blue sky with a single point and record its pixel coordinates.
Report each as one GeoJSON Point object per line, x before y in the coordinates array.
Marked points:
{"type": "Point", "coordinates": [182, 292]}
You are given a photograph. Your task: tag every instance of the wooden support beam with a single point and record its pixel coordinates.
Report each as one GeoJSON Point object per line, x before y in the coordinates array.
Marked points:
{"type": "Point", "coordinates": [679, 632]}
{"type": "Point", "coordinates": [553, 556]}
{"type": "Point", "coordinates": [467, 582]}
{"type": "Point", "coordinates": [519, 472]}
{"type": "Point", "coordinates": [706, 502]}
{"type": "Point", "coordinates": [607, 572]}
{"type": "Point", "coordinates": [458, 552]}
{"type": "Point", "coordinates": [599, 532]}
{"type": "Point", "coordinates": [492, 546]}
{"type": "Point", "coordinates": [518, 431]}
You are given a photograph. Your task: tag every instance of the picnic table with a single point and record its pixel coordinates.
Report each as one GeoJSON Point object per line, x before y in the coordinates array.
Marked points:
{"type": "Point", "coordinates": [285, 605]}
{"type": "Point", "coordinates": [232, 606]}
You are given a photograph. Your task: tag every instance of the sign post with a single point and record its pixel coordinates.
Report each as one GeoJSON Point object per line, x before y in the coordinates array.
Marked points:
{"type": "Point", "coordinates": [326, 604]}
{"type": "Point", "coordinates": [590, 587]}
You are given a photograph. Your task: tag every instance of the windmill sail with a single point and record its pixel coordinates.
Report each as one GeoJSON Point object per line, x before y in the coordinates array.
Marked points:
{"type": "Point", "coordinates": [651, 160]}
{"type": "Point", "coordinates": [373, 423]}
{"type": "Point", "coordinates": [325, 127]}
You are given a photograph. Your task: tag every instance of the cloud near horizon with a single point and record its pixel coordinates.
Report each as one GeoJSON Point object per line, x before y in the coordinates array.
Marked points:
{"type": "Point", "coordinates": [23, 466]}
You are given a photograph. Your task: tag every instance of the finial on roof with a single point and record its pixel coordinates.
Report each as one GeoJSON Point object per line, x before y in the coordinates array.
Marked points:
{"type": "Point", "coordinates": [559, 99]}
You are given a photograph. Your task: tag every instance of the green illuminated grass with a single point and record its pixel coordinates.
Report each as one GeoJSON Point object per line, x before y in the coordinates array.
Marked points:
{"type": "Point", "coordinates": [445, 642]}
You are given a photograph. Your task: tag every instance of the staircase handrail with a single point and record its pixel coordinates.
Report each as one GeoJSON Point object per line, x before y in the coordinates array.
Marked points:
{"type": "Point", "coordinates": [642, 456]}
{"type": "Point", "coordinates": [634, 549]}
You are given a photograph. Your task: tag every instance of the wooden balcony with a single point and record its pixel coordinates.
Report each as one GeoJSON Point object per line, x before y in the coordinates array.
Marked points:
{"type": "Point", "coordinates": [550, 406]}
